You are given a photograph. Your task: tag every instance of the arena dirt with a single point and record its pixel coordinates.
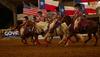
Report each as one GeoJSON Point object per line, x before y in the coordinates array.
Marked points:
{"type": "Point", "coordinates": [14, 48]}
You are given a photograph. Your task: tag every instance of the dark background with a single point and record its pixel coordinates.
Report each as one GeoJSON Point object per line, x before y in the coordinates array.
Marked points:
{"type": "Point", "coordinates": [6, 17]}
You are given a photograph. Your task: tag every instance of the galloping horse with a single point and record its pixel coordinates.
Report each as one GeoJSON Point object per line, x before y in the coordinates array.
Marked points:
{"type": "Point", "coordinates": [35, 29]}
{"type": "Point", "coordinates": [41, 28]}
{"type": "Point", "coordinates": [59, 24]}
{"type": "Point", "coordinates": [85, 26]}
{"type": "Point", "coordinates": [26, 32]}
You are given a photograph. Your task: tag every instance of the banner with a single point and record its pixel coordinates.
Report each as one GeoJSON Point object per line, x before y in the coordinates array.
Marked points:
{"type": "Point", "coordinates": [11, 33]}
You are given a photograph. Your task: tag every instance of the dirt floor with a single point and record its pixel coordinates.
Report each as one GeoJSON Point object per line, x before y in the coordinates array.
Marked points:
{"type": "Point", "coordinates": [14, 48]}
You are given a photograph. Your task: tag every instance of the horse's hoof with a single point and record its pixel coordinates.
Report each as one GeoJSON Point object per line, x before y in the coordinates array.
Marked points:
{"type": "Point", "coordinates": [37, 43]}
{"type": "Point", "coordinates": [83, 44]}
{"type": "Point", "coordinates": [66, 46]}
{"type": "Point", "coordinates": [58, 44]}
{"type": "Point", "coordinates": [25, 43]}
{"type": "Point", "coordinates": [46, 41]}
{"type": "Point", "coordinates": [49, 42]}
{"type": "Point", "coordinates": [46, 44]}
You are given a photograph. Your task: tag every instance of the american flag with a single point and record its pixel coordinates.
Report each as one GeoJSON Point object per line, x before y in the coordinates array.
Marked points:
{"type": "Point", "coordinates": [34, 11]}
{"type": "Point", "coordinates": [68, 9]}
{"type": "Point", "coordinates": [30, 11]}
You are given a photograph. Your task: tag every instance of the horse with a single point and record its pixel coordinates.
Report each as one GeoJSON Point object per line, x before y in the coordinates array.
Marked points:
{"type": "Point", "coordinates": [59, 24]}
{"type": "Point", "coordinates": [85, 26]}
{"type": "Point", "coordinates": [26, 32]}
{"type": "Point", "coordinates": [41, 28]}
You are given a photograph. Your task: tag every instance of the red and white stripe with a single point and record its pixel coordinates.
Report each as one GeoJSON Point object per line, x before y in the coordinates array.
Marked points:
{"type": "Point", "coordinates": [30, 11]}
{"type": "Point", "coordinates": [33, 11]}
{"type": "Point", "coordinates": [51, 5]}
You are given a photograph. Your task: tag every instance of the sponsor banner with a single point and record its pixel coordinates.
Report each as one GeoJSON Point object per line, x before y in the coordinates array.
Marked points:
{"type": "Point", "coordinates": [11, 33]}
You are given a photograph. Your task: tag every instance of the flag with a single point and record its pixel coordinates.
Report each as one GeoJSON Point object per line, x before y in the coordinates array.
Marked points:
{"type": "Point", "coordinates": [26, 5]}
{"type": "Point", "coordinates": [83, 10]}
{"type": "Point", "coordinates": [41, 4]}
{"type": "Point", "coordinates": [69, 10]}
{"type": "Point", "coordinates": [28, 10]}
{"type": "Point", "coordinates": [80, 1]}
{"type": "Point", "coordinates": [61, 8]}
{"type": "Point", "coordinates": [87, 0]}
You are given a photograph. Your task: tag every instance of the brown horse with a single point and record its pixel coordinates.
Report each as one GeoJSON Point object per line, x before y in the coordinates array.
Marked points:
{"type": "Point", "coordinates": [85, 26]}
{"type": "Point", "coordinates": [26, 32]}
{"type": "Point", "coordinates": [39, 28]}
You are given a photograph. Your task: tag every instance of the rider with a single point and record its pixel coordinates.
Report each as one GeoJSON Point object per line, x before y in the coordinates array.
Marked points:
{"type": "Point", "coordinates": [40, 17]}
{"type": "Point", "coordinates": [26, 23]}
{"type": "Point", "coordinates": [78, 15]}
{"type": "Point", "coordinates": [56, 19]}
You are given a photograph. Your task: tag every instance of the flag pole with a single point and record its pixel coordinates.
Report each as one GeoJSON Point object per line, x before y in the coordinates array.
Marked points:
{"type": "Point", "coordinates": [38, 4]}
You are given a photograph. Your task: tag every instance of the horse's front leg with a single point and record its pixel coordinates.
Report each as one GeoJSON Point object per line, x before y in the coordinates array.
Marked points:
{"type": "Point", "coordinates": [36, 41]}
{"type": "Point", "coordinates": [32, 40]}
{"type": "Point", "coordinates": [50, 39]}
{"type": "Point", "coordinates": [68, 40]}
{"type": "Point", "coordinates": [46, 37]}
{"type": "Point", "coordinates": [62, 39]}
{"type": "Point", "coordinates": [24, 40]}
{"type": "Point", "coordinates": [95, 38]}
{"type": "Point", "coordinates": [48, 34]}
{"type": "Point", "coordinates": [77, 38]}
{"type": "Point", "coordinates": [90, 37]}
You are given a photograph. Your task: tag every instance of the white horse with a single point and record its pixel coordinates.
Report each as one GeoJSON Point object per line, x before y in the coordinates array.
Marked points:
{"type": "Point", "coordinates": [61, 30]}
{"type": "Point", "coordinates": [41, 28]}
